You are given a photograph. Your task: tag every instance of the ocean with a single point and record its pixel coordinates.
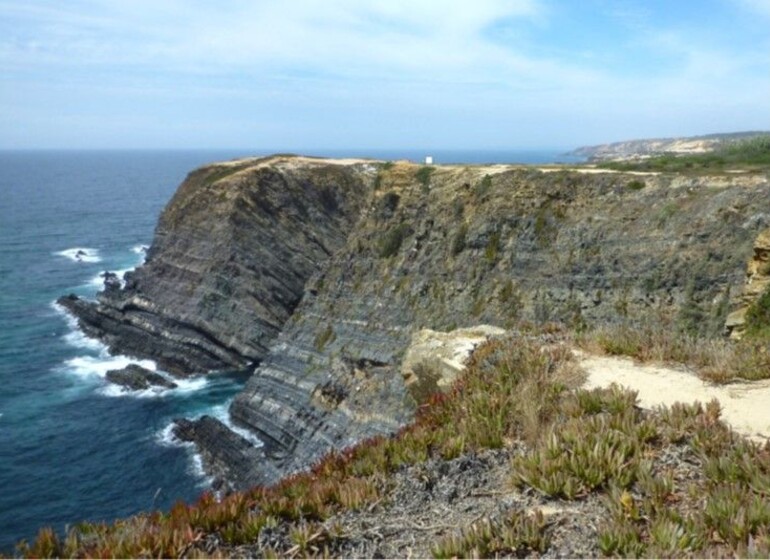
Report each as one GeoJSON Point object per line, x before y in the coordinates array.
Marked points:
{"type": "Point", "coordinates": [72, 447]}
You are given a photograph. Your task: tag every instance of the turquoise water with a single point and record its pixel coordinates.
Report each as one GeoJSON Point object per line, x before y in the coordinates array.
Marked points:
{"type": "Point", "coordinates": [73, 448]}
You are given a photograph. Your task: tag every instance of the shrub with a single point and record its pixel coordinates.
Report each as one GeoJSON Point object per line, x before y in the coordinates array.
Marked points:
{"type": "Point", "coordinates": [493, 247]}
{"type": "Point", "coordinates": [324, 337]}
{"type": "Point", "coordinates": [483, 187]}
{"type": "Point", "coordinates": [458, 242]}
{"type": "Point", "coordinates": [758, 315]}
{"type": "Point", "coordinates": [391, 242]}
{"type": "Point", "coordinates": [423, 176]}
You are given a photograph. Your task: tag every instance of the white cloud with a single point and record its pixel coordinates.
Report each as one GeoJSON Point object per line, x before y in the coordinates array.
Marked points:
{"type": "Point", "coordinates": [761, 7]}
{"type": "Point", "coordinates": [383, 62]}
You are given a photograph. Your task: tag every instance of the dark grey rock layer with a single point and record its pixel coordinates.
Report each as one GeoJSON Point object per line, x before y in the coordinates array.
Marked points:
{"type": "Point", "coordinates": [302, 266]}
{"type": "Point", "coordinates": [538, 247]}
{"type": "Point", "coordinates": [136, 378]}
{"type": "Point", "coordinates": [230, 258]}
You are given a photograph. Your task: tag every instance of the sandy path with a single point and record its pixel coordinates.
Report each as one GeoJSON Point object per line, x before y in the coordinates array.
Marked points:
{"type": "Point", "coordinates": [745, 406]}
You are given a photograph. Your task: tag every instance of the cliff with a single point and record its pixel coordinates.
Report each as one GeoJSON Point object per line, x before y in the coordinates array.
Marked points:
{"type": "Point", "coordinates": [229, 261]}
{"type": "Point", "coordinates": [636, 149]}
{"type": "Point", "coordinates": [321, 272]}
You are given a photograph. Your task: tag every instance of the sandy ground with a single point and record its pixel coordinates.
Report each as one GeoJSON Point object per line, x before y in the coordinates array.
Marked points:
{"type": "Point", "coordinates": [596, 170]}
{"type": "Point", "coordinates": [745, 406]}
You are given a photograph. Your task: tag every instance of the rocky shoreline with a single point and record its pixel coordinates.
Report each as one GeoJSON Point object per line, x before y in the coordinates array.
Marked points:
{"type": "Point", "coordinates": [316, 274]}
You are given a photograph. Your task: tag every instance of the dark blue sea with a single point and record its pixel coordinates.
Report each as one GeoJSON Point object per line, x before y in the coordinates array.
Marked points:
{"type": "Point", "coordinates": [73, 448]}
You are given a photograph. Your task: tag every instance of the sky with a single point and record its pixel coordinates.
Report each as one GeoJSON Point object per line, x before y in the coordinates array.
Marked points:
{"type": "Point", "coordinates": [378, 74]}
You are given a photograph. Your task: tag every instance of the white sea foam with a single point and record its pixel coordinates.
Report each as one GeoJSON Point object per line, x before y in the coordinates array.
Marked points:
{"type": "Point", "coordinates": [220, 412]}
{"type": "Point", "coordinates": [98, 366]}
{"type": "Point", "coordinates": [183, 386]}
{"type": "Point", "coordinates": [98, 280]}
{"type": "Point", "coordinates": [166, 438]}
{"type": "Point", "coordinates": [190, 385]}
{"type": "Point", "coordinates": [139, 249]}
{"type": "Point", "coordinates": [76, 337]}
{"type": "Point", "coordinates": [81, 254]}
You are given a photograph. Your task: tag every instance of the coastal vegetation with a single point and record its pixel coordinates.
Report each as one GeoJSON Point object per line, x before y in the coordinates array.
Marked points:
{"type": "Point", "coordinates": [748, 154]}
{"type": "Point", "coordinates": [543, 255]}
{"type": "Point", "coordinates": [713, 357]}
{"type": "Point", "coordinates": [670, 482]}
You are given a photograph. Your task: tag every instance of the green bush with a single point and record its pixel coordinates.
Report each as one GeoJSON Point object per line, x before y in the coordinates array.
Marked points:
{"type": "Point", "coordinates": [423, 175]}
{"type": "Point", "coordinates": [458, 243]}
{"type": "Point", "coordinates": [758, 315]}
{"type": "Point", "coordinates": [493, 248]}
{"type": "Point", "coordinates": [391, 242]}
{"type": "Point", "coordinates": [483, 187]}
{"type": "Point", "coordinates": [324, 337]}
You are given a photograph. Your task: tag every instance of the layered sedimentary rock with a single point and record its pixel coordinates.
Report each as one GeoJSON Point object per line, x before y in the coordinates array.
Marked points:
{"type": "Point", "coordinates": [518, 245]}
{"type": "Point", "coordinates": [136, 378]}
{"type": "Point", "coordinates": [229, 261]}
{"type": "Point", "coordinates": [328, 289]}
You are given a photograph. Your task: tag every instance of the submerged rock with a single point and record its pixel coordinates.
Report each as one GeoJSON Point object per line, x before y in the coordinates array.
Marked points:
{"type": "Point", "coordinates": [136, 378]}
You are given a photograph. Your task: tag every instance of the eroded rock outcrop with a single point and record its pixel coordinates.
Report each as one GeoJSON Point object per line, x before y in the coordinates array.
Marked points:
{"type": "Point", "coordinates": [323, 272]}
{"type": "Point", "coordinates": [757, 281]}
{"type": "Point", "coordinates": [134, 377]}
{"type": "Point", "coordinates": [520, 245]}
{"type": "Point", "coordinates": [230, 258]}
{"type": "Point", "coordinates": [435, 359]}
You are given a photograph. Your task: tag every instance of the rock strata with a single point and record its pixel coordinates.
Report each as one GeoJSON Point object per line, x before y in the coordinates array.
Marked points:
{"type": "Point", "coordinates": [229, 261]}
{"type": "Point", "coordinates": [519, 246]}
{"type": "Point", "coordinates": [320, 273]}
{"type": "Point", "coordinates": [136, 378]}
{"type": "Point", "coordinates": [228, 457]}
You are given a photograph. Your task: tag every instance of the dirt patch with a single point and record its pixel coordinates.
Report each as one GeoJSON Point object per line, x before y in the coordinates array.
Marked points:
{"type": "Point", "coordinates": [744, 405]}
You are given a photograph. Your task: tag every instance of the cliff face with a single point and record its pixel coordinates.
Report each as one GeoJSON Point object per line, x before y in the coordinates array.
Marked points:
{"type": "Point", "coordinates": [228, 264]}
{"type": "Point", "coordinates": [348, 283]}
{"type": "Point", "coordinates": [519, 245]}
{"type": "Point", "coordinates": [757, 280]}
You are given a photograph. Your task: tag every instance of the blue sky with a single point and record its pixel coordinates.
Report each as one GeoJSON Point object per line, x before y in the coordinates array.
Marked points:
{"type": "Point", "coordinates": [335, 74]}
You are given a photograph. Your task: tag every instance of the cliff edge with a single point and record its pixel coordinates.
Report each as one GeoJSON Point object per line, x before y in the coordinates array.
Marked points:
{"type": "Point", "coordinates": [229, 261]}
{"type": "Point", "coordinates": [321, 272]}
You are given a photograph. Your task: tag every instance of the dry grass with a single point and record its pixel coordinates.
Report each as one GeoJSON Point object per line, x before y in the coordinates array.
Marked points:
{"type": "Point", "coordinates": [717, 360]}
{"type": "Point", "coordinates": [579, 443]}
{"type": "Point", "coordinates": [485, 409]}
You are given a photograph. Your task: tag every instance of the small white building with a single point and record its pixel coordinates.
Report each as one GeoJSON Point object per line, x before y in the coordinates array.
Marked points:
{"type": "Point", "coordinates": [428, 160]}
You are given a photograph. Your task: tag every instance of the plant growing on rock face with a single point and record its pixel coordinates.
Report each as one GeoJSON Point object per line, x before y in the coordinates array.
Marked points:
{"type": "Point", "coordinates": [758, 316]}
{"type": "Point", "coordinates": [458, 242]}
{"type": "Point", "coordinates": [423, 176]}
{"type": "Point", "coordinates": [483, 187]}
{"type": "Point", "coordinates": [391, 241]}
{"type": "Point", "coordinates": [324, 337]}
{"type": "Point", "coordinates": [492, 248]}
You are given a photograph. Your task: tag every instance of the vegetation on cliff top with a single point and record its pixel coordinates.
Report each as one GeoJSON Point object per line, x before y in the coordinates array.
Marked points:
{"type": "Point", "coordinates": [752, 153]}
{"type": "Point", "coordinates": [520, 395]}
{"type": "Point", "coordinates": [516, 392]}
